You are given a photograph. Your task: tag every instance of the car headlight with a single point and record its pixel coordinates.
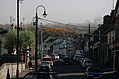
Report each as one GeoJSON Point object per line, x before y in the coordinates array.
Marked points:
{"type": "Point", "coordinates": [100, 76]}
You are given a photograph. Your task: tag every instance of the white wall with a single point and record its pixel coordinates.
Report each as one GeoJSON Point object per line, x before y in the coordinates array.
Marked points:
{"type": "Point", "coordinates": [12, 69]}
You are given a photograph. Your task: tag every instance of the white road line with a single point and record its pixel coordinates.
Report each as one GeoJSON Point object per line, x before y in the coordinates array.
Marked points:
{"type": "Point", "coordinates": [69, 74]}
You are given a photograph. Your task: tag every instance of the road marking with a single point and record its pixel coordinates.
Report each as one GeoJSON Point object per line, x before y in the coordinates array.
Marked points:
{"type": "Point", "coordinates": [108, 72]}
{"type": "Point", "coordinates": [70, 74]}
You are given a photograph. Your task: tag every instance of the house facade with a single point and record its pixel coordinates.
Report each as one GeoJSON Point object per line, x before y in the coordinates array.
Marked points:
{"type": "Point", "coordinates": [115, 21]}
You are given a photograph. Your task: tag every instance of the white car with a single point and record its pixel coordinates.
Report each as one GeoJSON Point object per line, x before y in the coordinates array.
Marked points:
{"type": "Point", "coordinates": [45, 62]}
{"type": "Point", "coordinates": [87, 63]}
{"type": "Point", "coordinates": [82, 60]}
{"type": "Point", "coordinates": [56, 56]}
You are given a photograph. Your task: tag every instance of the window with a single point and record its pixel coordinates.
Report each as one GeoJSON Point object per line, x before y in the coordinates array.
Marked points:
{"type": "Point", "coordinates": [31, 76]}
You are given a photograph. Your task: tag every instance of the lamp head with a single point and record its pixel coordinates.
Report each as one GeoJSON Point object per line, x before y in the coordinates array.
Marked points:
{"type": "Point", "coordinates": [44, 14]}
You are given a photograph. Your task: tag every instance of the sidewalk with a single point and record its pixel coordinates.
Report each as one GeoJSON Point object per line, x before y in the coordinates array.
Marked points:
{"type": "Point", "coordinates": [23, 73]}
{"type": "Point", "coordinates": [107, 69]}
{"type": "Point", "coordinates": [104, 66]}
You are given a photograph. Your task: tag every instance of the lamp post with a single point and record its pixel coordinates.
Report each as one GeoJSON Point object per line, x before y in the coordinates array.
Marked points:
{"type": "Point", "coordinates": [44, 14]}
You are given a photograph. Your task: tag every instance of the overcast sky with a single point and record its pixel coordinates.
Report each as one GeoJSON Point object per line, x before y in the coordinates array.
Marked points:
{"type": "Point", "coordinates": [64, 11]}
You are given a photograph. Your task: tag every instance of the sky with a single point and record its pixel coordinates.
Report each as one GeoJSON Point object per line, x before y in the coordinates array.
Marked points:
{"type": "Point", "coordinates": [63, 11]}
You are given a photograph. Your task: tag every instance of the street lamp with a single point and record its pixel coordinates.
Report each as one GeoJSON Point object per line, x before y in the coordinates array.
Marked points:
{"type": "Point", "coordinates": [44, 14]}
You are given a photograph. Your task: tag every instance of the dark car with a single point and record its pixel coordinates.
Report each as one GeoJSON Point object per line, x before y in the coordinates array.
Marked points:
{"type": "Point", "coordinates": [41, 75]}
{"type": "Point", "coordinates": [45, 67]}
{"type": "Point", "coordinates": [67, 60]}
{"type": "Point", "coordinates": [93, 73]}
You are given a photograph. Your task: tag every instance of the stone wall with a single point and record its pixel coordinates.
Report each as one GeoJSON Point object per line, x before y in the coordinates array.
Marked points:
{"type": "Point", "coordinates": [12, 69]}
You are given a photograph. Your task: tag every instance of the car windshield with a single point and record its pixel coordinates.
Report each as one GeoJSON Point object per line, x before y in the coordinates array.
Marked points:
{"type": "Point", "coordinates": [66, 58]}
{"type": "Point", "coordinates": [35, 76]}
{"type": "Point", "coordinates": [44, 64]}
{"type": "Point", "coordinates": [88, 61]}
{"type": "Point", "coordinates": [94, 70]}
{"type": "Point", "coordinates": [30, 76]}
{"type": "Point", "coordinates": [46, 59]}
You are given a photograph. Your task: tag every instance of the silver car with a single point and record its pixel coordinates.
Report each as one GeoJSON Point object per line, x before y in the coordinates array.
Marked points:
{"type": "Point", "coordinates": [87, 63]}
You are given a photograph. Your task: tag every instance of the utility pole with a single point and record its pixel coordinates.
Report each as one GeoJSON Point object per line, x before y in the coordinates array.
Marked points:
{"type": "Point", "coordinates": [89, 43]}
{"type": "Point", "coordinates": [41, 42]}
{"type": "Point", "coordinates": [99, 44]}
{"type": "Point", "coordinates": [17, 71]}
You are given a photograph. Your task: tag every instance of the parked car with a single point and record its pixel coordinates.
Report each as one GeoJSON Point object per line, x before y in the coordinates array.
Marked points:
{"type": "Point", "coordinates": [67, 60]}
{"type": "Point", "coordinates": [82, 60]}
{"type": "Point", "coordinates": [56, 56]}
{"type": "Point", "coordinates": [75, 57]}
{"type": "Point", "coordinates": [93, 73]}
{"type": "Point", "coordinates": [78, 59]}
{"type": "Point", "coordinates": [87, 63]}
{"type": "Point", "coordinates": [48, 58]}
{"type": "Point", "coordinates": [41, 75]}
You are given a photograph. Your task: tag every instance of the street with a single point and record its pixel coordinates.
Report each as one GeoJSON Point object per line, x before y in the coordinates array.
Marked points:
{"type": "Point", "coordinates": [74, 71]}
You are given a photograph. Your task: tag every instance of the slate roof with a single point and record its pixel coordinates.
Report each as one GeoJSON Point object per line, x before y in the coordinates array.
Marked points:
{"type": "Point", "coordinates": [116, 10]}
{"type": "Point", "coordinates": [2, 31]}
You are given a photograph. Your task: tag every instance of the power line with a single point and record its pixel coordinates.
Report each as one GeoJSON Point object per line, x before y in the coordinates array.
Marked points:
{"type": "Point", "coordinates": [47, 21]}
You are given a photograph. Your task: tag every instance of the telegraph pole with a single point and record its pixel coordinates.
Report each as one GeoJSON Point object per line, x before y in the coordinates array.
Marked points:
{"type": "Point", "coordinates": [17, 71]}
{"type": "Point", "coordinates": [89, 53]}
{"type": "Point", "coordinates": [99, 44]}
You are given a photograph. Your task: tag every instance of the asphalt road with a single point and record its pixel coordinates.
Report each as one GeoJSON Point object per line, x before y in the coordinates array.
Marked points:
{"type": "Point", "coordinates": [68, 71]}
{"type": "Point", "coordinates": [74, 71]}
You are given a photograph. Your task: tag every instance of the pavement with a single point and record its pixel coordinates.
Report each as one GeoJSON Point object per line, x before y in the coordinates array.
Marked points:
{"type": "Point", "coordinates": [107, 69]}
{"type": "Point", "coordinates": [24, 72]}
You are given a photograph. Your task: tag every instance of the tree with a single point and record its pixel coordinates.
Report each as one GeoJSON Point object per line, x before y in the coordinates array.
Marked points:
{"type": "Point", "coordinates": [57, 32]}
{"type": "Point", "coordinates": [26, 39]}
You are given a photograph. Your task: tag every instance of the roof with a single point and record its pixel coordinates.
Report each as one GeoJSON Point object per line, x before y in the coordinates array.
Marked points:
{"type": "Point", "coordinates": [48, 39]}
{"type": "Point", "coordinates": [116, 11]}
{"type": "Point", "coordinates": [104, 28]}
{"type": "Point", "coordinates": [47, 57]}
{"type": "Point", "coordinates": [2, 31]}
